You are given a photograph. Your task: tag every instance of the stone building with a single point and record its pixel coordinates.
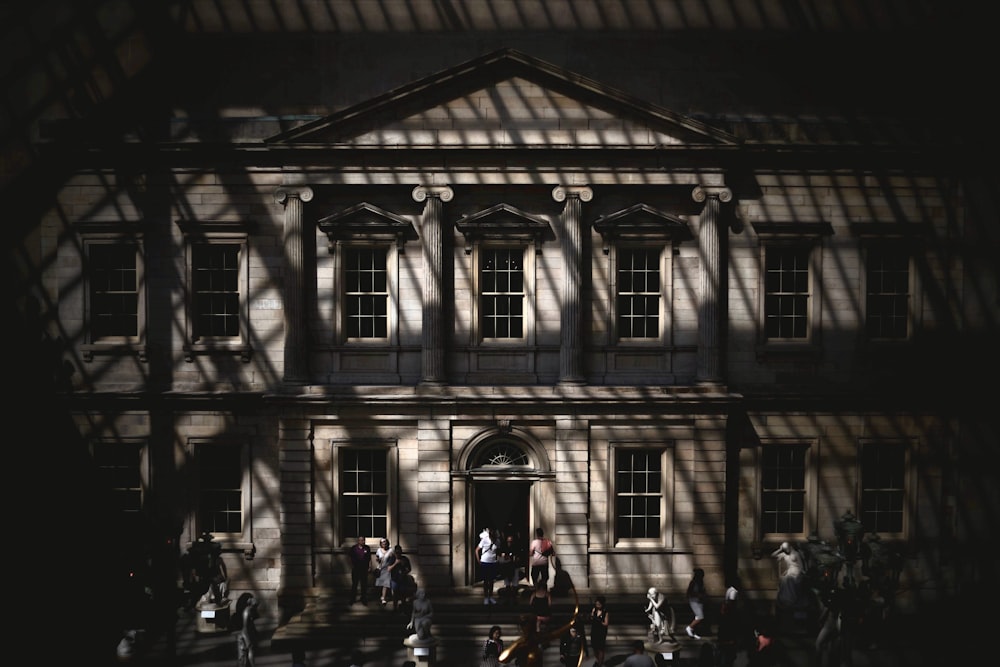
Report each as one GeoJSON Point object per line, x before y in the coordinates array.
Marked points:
{"type": "Point", "coordinates": [320, 275]}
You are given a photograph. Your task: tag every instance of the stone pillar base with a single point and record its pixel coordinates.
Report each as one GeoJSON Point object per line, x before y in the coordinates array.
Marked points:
{"type": "Point", "coordinates": [421, 651]}
{"type": "Point", "coordinates": [212, 618]}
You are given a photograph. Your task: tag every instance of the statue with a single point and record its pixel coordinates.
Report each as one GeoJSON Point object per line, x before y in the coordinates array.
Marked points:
{"type": "Point", "coordinates": [205, 575]}
{"type": "Point", "coordinates": [527, 649]}
{"type": "Point", "coordinates": [421, 617]}
{"type": "Point", "coordinates": [246, 640]}
{"type": "Point", "coordinates": [658, 626]}
{"type": "Point", "coordinates": [790, 571]}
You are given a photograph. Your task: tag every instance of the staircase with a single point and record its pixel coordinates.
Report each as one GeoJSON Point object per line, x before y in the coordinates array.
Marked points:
{"type": "Point", "coordinates": [461, 625]}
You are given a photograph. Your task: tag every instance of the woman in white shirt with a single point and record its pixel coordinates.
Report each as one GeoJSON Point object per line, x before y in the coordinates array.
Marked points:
{"type": "Point", "coordinates": [486, 551]}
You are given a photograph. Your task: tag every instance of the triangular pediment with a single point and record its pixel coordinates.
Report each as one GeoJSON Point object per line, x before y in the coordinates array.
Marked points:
{"type": "Point", "coordinates": [505, 99]}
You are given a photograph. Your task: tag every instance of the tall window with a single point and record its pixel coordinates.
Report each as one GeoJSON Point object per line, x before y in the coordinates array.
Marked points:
{"type": "Point", "coordinates": [220, 487]}
{"type": "Point", "coordinates": [366, 293]}
{"type": "Point", "coordinates": [786, 292]}
{"type": "Point", "coordinates": [119, 467]}
{"type": "Point", "coordinates": [783, 488]}
{"type": "Point", "coordinates": [113, 291]}
{"type": "Point", "coordinates": [638, 305]}
{"type": "Point", "coordinates": [502, 292]}
{"type": "Point", "coordinates": [364, 497]}
{"type": "Point", "coordinates": [216, 290]}
{"type": "Point", "coordinates": [883, 472]}
{"type": "Point", "coordinates": [887, 299]}
{"type": "Point", "coordinates": [638, 493]}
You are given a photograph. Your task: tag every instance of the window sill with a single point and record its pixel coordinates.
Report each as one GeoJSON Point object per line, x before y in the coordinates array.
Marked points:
{"type": "Point", "coordinates": [113, 350]}
{"type": "Point", "coordinates": [217, 349]}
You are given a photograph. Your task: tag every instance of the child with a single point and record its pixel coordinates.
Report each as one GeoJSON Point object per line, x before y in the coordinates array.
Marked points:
{"type": "Point", "coordinates": [492, 648]}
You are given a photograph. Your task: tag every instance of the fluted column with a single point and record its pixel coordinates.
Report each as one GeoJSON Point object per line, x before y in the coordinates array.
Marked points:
{"type": "Point", "coordinates": [296, 324]}
{"type": "Point", "coordinates": [571, 315]}
{"type": "Point", "coordinates": [712, 248]}
{"type": "Point", "coordinates": [432, 242]}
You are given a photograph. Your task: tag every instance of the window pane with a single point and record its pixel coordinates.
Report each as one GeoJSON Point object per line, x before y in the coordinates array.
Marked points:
{"type": "Point", "coordinates": [118, 468]}
{"type": "Point", "coordinates": [786, 298]}
{"type": "Point", "coordinates": [883, 468]}
{"type": "Point", "coordinates": [638, 493]}
{"type": "Point", "coordinates": [783, 488]}
{"type": "Point", "coordinates": [216, 298]}
{"type": "Point", "coordinates": [366, 294]}
{"type": "Point", "coordinates": [114, 290]}
{"type": "Point", "coordinates": [364, 498]}
{"type": "Point", "coordinates": [220, 484]}
{"type": "Point", "coordinates": [502, 295]}
{"type": "Point", "coordinates": [638, 293]}
{"type": "Point", "coordinates": [887, 299]}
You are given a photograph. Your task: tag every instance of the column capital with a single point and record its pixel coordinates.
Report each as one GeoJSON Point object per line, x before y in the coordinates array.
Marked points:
{"type": "Point", "coordinates": [303, 192]}
{"type": "Point", "coordinates": [583, 192]}
{"type": "Point", "coordinates": [442, 192]}
{"type": "Point", "coordinates": [703, 192]}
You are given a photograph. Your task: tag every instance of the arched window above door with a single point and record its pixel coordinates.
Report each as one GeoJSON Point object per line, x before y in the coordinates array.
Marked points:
{"type": "Point", "coordinates": [501, 453]}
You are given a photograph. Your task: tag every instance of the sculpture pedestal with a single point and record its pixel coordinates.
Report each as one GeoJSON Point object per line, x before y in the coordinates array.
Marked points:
{"type": "Point", "coordinates": [421, 651]}
{"type": "Point", "coordinates": [212, 618]}
{"type": "Point", "coordinates": [668, 651]}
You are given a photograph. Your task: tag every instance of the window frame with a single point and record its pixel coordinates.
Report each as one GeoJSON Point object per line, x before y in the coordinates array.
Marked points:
{"type": "Point", "coordinates": [909, 491]}
{"type": "Point", "coordinates": [664, 313]}
{"type": "Point", "coordinates": [143, 467]}
{"type": "Point", "coordinates": [667, 450]}
{"type": "Point", "coordinates": [912, 301]}
{"type": "Point", "coordinates": [101, 234]}
{"type": "Point", "coordinates": [786, 236]}
{"type": "Point", "coordinates": [217, 233]}
{"type": "Point", "coordinates": [527, 295]}
{"type": "Point", "coordinates": [392, 520]}
{"type": "Point", "coordinates": [243, 539]}
{"type": "Point", "coordinates": [811, 481]}
{"type": "Point", "coordinates": [343, 248]}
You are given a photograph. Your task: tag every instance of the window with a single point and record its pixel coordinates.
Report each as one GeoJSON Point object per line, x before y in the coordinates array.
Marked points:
{"type": "Point", "coordinates": [786, 293]}
{"type": "Point", "coordinates": [220, 474]}
{"type": "Point", "coordinates": [883, 476]}
{"type": "Point", "coordinates": [218, 284]}
{"type": "Point", "coordinates": [783, 488]}
{"type": "Point", "coordinates": [790, 304]}
{"type": "Point", "coordinates": [367, 242]}
{"type": "Point", "coordinates": [639, 493]}
{"type": "Point", "coordinates": [364, 492]}
{"type": "Point", "coordinates": [119, 469]}
{"type": "Point", "coordinates": [502, 292]}
{"type": "Point", "coordinates": [114, 296]}
{"type": "Point", "coordinates": [366, 293]}
{"type": "Point", "coordinates": [638, 303]}
{"type": "Point", "coordinates": [887, 293]}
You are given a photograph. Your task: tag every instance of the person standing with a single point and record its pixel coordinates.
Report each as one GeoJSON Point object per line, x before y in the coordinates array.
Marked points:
{"type": "Point", "coordinates": [638, 657]}
{"type": "Point", "coordinates": [599, 620]}
{"type": "Point", "coordinates": [361, 567]}
{"type": "Point", "coordinates": [486, 552]}
{"type": "Point", "coordinates": [571, 648]}
{"type": "Point", "coordinates": [541, 606]}
{"type": "Point", "coordinates": [384, 578]}
{"type": "Point", "coordinates": [510, 568]}
{"type": "Point", "coordinates": [492, 648]}
{"type": "Point", "coordinates": [540, 551]}
{"type": "Point", "coordinates": [696, 600]}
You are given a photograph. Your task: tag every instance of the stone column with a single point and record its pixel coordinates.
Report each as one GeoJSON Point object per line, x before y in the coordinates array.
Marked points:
{"type": "Point", "coordinates": [432, 242]}
{"type": "Point", "coordinates": [571, 315]}
{"type": "Point", "coordinates": [296, 322]}
{"type": "Point", "coordinates": [712, 249]}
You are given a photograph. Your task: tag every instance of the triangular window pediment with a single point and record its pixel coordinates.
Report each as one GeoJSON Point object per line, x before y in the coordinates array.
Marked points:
{"type": "Point", "coordinates": [503, 222]}
{"type": "Point", "coordinates": [505, 100]}
{"type": "Point", "coordinates": [366, 222]}
{"type": "Point", "coordinates": [639, 223]}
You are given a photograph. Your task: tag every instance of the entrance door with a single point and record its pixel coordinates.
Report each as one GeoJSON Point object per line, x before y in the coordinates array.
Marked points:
{"type": "Point", "coordinates": [501, 505]}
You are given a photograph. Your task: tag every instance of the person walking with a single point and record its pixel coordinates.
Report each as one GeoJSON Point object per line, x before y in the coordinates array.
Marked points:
{"type": "Point", "coordinates": [639, 658]}
{"type": "Point", "coordinates": [383, 579]}
{"type": "Point", "coordinates": [510, 567]}
{"type": "Point", "coordinates": [571, 648]}
{"type": "Point", "coordinates": [493, 647]}
{"type": "Point", "coordinates": [361, 566]}
{"type": "Point", "coordinates": [696, 600]}
{"type": "Point", "coordinates": [541, 606]}
{"type": "Point", "coordinates": [486, 552]}
{"type": "Point", "coordinates": [540, 551]}
{"type": "Point", "coordinates": [599, 620]}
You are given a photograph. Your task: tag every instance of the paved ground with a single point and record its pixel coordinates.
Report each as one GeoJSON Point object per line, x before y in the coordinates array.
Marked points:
{"type": "Point", "coordinates": [912, 639]}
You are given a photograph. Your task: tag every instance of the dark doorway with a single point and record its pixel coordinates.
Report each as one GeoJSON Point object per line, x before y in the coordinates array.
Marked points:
{"type": "Point", "coordinates": [502, 506]}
